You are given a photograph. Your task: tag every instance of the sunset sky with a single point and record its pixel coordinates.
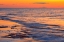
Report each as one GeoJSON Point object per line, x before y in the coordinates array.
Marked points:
{"type": "Point", "coordinates": [31, 3]}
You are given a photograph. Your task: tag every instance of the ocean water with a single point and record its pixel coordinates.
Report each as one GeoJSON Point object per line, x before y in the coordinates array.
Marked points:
{"type": "Point", "coordinates": [45, 25]}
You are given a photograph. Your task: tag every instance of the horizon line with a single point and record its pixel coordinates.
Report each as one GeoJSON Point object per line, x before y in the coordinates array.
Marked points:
{"type": "Point", "coordinates": [41, 8]}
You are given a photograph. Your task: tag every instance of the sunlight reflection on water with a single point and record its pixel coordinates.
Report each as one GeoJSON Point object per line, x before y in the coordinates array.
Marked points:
{"type": "Point", "coordinates": [43, 24]}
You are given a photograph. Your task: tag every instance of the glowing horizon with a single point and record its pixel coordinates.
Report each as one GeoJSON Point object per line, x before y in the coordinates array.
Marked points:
{"type": "Point", "coordinates": [31, 3]}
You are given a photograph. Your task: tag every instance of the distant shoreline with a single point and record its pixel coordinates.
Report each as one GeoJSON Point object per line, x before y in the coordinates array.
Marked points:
{"type": "Point", "coordinates": [31, 8]}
